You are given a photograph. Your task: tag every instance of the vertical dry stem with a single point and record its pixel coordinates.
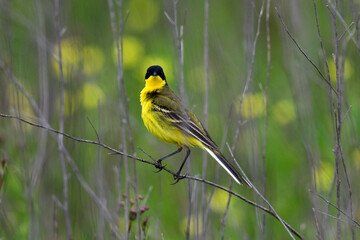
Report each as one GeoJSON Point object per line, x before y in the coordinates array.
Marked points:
{"type": "Point", "coordinates": [180, 48]}
{"type": "Point", "coordinates": [206, 107]}
{"type": "Point", "coordinates": [266, 108]}
{"type": "Point", "coordinates": [337, 113]}
{"type": "Point", "coordinates": [126, 115]}
{"type": "Point", "coordinates": [223, 221]}
{"type": "Point", "coordinates": [249, 77]}
{"type": "Point", "coordinates": [61, 128]}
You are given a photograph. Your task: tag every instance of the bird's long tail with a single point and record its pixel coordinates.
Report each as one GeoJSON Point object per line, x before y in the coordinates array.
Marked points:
{"type": "Point", "coordinates": [217, 155]}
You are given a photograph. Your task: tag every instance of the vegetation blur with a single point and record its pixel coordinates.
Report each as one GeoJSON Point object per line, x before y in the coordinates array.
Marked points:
{"type": "Point", "coordinates": [295, 137]}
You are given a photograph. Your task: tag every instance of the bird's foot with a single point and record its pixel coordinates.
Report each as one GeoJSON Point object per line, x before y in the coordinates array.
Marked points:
{"type": "Point", "coordinates": [159, 166]}
{"type": "Point", "coordinates": [177, 178]}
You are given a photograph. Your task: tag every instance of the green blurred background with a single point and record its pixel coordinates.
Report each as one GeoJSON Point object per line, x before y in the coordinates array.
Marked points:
{"type": "Point", "coordinates": [301, 129]}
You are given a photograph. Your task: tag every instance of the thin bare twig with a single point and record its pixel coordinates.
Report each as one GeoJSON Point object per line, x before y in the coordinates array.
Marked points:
{"type": "Point", "coordinates": [127, 116]}
{"type": "Point", "coordinates": [178, 33]}
{"type": "Point", "coordinates": [190, 197]}
{"type": "Point", "coordinates": [337, 112]}
{"type": "Point", "coordinates": [217, 171]}
{"type": "Point", "coordinates": [122, 109]}
{"type": "Point", "coordinates": [269, 211]}
{"type": "Point", "coordinates": [41, 43]}
{"type": "Point", "coordinates": [336, 12]}
{"type": "Point", "coordinates": [60, 137]}
{"type": "Point", "coordinates": [96, 133]}
{"type": "Point", "coordinates": [118, 193]}
{"type": "Point", "coordinates": [223, 222]}
{"type": "Point", "coordinates": [341, 119]}
{"type": "Point", "coordinates": [356, 20]}
{"type": "Point", "coordinates": [333, 205]}
{"type": "Point", "coordinates": [325, 221]}
{"type": "Point", "coordinates": [206, 108]}
{"type": "Point", "coordinates": [319, 235]}
{"type": "Point", "coordinates": [268, 45]}
{"type": "Point", "coordinates": [344, 32]}
{"type": "Point", "coordinates": [303, 52]}
{"type": "Point", "coordinates": [346, 114]}
{"type": "Point", "coordinates": [249, 78]}
{"type": "Point", "coordinates": [55, 219]}
{"type": "Point", "coordinates": [322, 231]}
{"type": "Point", "coordinates": [331, 216]}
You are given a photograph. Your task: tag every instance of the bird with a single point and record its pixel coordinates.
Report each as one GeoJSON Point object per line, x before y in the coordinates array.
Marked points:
{"type": "Point", "coordinates": [165, 116]}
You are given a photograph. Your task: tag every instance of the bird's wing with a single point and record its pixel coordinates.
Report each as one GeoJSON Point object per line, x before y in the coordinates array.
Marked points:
{"type": "Point", "coordinates": [183, 119]}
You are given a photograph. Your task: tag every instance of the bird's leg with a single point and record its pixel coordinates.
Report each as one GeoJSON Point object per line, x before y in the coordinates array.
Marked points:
{"type": "Point", "coordinates": [177, 176]}
{"type": "Point", "coordinates": [158, 162]}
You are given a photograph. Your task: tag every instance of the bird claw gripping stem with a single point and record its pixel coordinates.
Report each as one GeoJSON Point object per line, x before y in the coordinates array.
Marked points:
{"type": "Point", "coordinates": [177, 178]}
{"type": "Point", "coordinates": [159, 166]}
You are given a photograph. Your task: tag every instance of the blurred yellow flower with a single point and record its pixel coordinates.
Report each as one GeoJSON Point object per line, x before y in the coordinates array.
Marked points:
{"type": "Point", "coordinates": [252, 106]}
{"type": "Point", "coordinates": [348, 70]}
{"type": "Point", "coordinates": [90, 59]}
{"type": "Point", "coordinates": [324, 175]}
{"type": "Point", "coordinates": [356, 158]}
{"type": "Point", "coordinates": [164, 63]}
{"type": "Point", "coordinates": [143, 14]}
{"type": "Point", "coordinates": [218, 205]}
{"type": "Point", "coordinates": [71, 56]}
{"type": "Point", "coordinates": [284, 112]}
{"type": "Point", "coordinates": [93, 59]}
{"type": "Point", "coordinates": [133, 52]}
{"type": "Point", "coordinates": [219, 200]}
{"type": "Point", "coordinates": [92, 95]}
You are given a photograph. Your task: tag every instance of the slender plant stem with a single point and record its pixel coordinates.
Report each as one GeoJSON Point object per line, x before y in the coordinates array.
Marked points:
{"type": "Point", "coordinates": [321, 232]}
{"type": "Point", "coordinates": [206, 109]}
{"type": "Point", "coordinates": [319, 235]}
{"type": "Point", "coordinates": [223, 222]}
{"type": "Point", "coordinates": [337, 121]}
{"type": "Point", "coordinates": [356, 20]}
{"type": "Point", "coordinates": [249, 78]}
{"type": "Point", "coordinates": [126, 115]}
{"type": "Point", "coordinates": [122, 102]}
{"type": "Point", "coordinates": [268, 45]}
{"type": "Point", "coordinates": [303, 52]}
{"type": "Point", "coordinates": [343, 212]}
{"type": "Point", "coordinates": [60, 137]}
{"type": "Point", "coordinates": [178, 33]}
{"type": "Point", "coordinates": [346, 26]}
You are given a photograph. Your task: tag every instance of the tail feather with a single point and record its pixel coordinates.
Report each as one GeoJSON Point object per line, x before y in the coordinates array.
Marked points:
{"type": "Point", "coordinates": [228, 167]}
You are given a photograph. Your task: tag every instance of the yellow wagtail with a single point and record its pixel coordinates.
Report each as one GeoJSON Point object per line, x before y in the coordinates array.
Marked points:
{"type": "Point", "coordinates": [167, 118]}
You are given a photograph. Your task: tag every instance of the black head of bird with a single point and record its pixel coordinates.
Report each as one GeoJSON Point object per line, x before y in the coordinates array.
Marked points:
{"type": "Point", "coordinates": [155, 71]}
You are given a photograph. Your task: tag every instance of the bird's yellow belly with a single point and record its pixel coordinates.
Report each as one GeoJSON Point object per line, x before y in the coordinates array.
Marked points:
{"type": "Point", "coordinates": [157, 125]}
